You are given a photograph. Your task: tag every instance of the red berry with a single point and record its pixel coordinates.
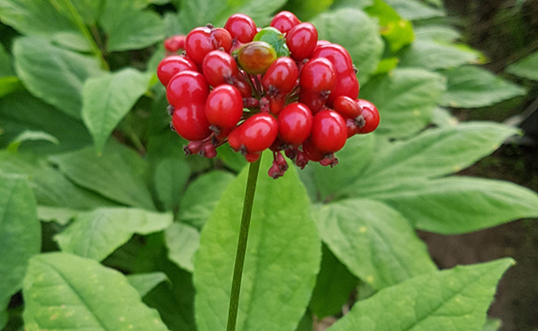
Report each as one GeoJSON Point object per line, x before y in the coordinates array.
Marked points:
{"type": "Point", "coordinates": [235, 138]}
{"type": "Point", "coordinates": [224, 106]}
{"type": "Point", "coordinates": [301, 40]}
{"type": "Point", "coordinates": [190, 122]}
{"type": "Point", "coordinates": [329, 132]}
{"type": "Point", "coordinates": [252, 157]}
{"type": "Point", "coordinates": [198, 44]}
{"type": "Point", "coordinates": [259, 132]}
{"type": "Point", "coordinates": [346, 85]}
{"type": "Point", "coordinates": [208, 150]}
{"type": "Point", "coordinates": [294, 123]}
{"type": "Point", "coordinates": [219, 68]}
{"type": "Point", "coordinates": [347, 107]}
{"type": "Point", "coordinates": [187, 87]}
{"type": "Point", "coordinates": [174, 43]}
{"type": "Point", "coordinates": [241, 27]}
{"type": "Point", "coordinates": [370, 115]}
{"type": "Point", "coordinates": [352, 127]}
{"type": "Point", "coordinates": [171, 65]}
{"type": "Point", "coordinates": [281, 76]}
{"type": "Point", "coordinates": [338, 56]}
{"type": "Point", "coordinates": [221, 39]}
{"type": "Point", "coordinates": [242, 85]}
{"type": "Point", "coordinates": [313, 100]}
{"type": "Point", "coordinates": [255, 57]}
{"type": "Point", "coordinates": [311, 151]}
{"type": "Point", "coordinates": [318, 75]}
{"type": "Point", "coordinates": [284, 21]}
{"type": "Point", "coordinates": [276, 103]}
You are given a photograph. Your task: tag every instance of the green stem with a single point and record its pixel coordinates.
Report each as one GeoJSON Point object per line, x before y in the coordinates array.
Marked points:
{"type": "Point", "coordinates": [242, 244]}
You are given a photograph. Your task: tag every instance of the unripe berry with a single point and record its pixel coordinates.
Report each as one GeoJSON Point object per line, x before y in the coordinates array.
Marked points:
{"type": "Point", "coordinates": [256, 57]}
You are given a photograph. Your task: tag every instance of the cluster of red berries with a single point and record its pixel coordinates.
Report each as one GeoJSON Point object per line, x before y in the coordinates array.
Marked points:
{"type": "Point", "coordinates": [279, 88]}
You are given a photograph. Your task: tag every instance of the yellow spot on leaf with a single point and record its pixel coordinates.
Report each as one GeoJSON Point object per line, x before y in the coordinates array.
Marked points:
{"type": "Point", "coordinates": [363, 229]}
{"type": "Point", "coordinates": [370, 279]}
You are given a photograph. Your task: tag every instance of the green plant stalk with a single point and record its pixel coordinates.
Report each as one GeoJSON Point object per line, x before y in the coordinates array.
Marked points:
{"type": "Point", "coordinates": [242, 244]}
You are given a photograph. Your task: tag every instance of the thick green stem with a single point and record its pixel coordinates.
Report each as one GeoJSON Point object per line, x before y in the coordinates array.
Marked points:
{"type": "Point", "coordinates": [242, 244]}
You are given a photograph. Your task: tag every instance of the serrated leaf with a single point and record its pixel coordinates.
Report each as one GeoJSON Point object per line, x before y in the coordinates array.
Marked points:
{"type": "Point", "coordinates": [118, 174]}
{"type": "Point", "coordinates": [357, 32]}
{"type": "Point", "coordinates": [202, 196]}
{"type": "Point", "coordinates": [171, 176]}
{"type": "Point", "coordinates": [20, 234]}
{"type": "Point", "coordinates": [473, 87]}
{"type": "Point", "coordinates": [22, 112]}
{"type": "Point", "coordinates": [458, 205]}
{"type": "Point", "coordinates": [415, 10]}
{"type": "Point", "coordinates": [368, 237]}
{"type": "Point", "coordinates": [96, 234]}
{"type": "Point", "coordinates": [53, 74]}
{"type": "Point", "coordinates": [432, 55]}
{"type": "Point", "coordinates": [397, 31]}
{"type": "Point", "coordinates": [57, 296]}
{"type": "Point", "coordinates": [526, 67]}
{"type": "Point", "coordinates": [282, 227]}
{"type": "Point", "coordinates": [108, 98]}
{"type": "Point", "coordinates": [182, 241]}
{"type": "Point", "coordinates": [405, 99]}
{"type": "Point", "coordinates": [449, 300]}
{"type": "Point", "coordinates": [144, 283]}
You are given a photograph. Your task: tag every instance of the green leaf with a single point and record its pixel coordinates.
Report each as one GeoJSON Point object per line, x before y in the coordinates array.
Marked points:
{"type": "Point", "coordinates": [360, 4]}
{"type": "Point", "coordinates": [59, 215]}
{"type": "Point", "coordinates": [457, 205]}
{"type": "Point", "coordinates": [405, 99]}
{"type": "Point", "coordinates": [283, 256]}
{"type": "Point", "coordinates": [10, 84]}
{"type": "Point", "coordinates": [307, 9]}
{"type": "Point", "coordinates": [274, 38]}
{"type": "Point", "coordinates": [57, 296]}
{"type": "Point", "coordinates": [117, 174]}
{"type": "Point", "coordinates": [182, 241]}
{"type": "Point", "coordinates": [98, 233]}
{"type": "Point", "coordinates": [473, 87]}
{"type": "Point", "coordinates": [144, 283]}
{"type": "Point", "coordinates": [171, 176]}
{"type": "Point", "coordinates": [50, 187]}
{"type": "Point", "coordinates": [334, 285]}
{"type": "Point", "coordinates": [397, 31]}
{"type": "Point", "coordinates": [414, 10]}
{"type": "Point", "coordinates": [434, 153]}
{"type": "Point", "coordinates": [449, 300]}
{"type": "Point", "coordinates": [6, 68]}
{"type": "Point", "coordinates": [368, 237]}
{"type": "Point", "coordinates": [108, 98]}
{"type": "Point", "coordinates": [526, 67]}
{"type": "Point", "coordinates": [31, 136]}
{"type": "Point", "coordinates": [492, 325]}
{"type": "Point", "coordinates": [234, 161]}
{"type": "Point", "coordinates": [129, 28]}
{"type": "Point", "coordinates": [357, 32]}
{"type": "Point", "coordinates": [432, 55]}
{"type": "Point", "coordinates": [20, 112]}
{"type": "Point", "coordinates": [443, 118]}
{"type": "Point", "coordinates": [20, 234]}
{"type": "Point", "coordinates": [40, 18]}
{"type": "Point", "coordinates": [53, 74]}
{"type": "Point", "coordinates": [202, 196]}
{"type": "Point", "coordinates": [440, 33]}
{"type": "Point", "coordinates": [386, 65]}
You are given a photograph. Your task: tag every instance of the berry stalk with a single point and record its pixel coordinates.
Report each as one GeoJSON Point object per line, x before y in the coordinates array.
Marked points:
{"type": "Point", "coordinates": [242, 244]}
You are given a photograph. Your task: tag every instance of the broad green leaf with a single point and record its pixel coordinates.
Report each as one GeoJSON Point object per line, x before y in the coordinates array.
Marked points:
{"type": "Point", "coordinates": [334, 285]}
{"type": "Point", "coordinates": [441, 33]}
{"type": "Point", "coordinates": [20, 112]}
{"type": "Point", "coordinates": [40, 18]}
{"type": "Point", "coordinates": [129, 28]}
{"type": "Point", "coordinates": [434, 153]}
{"type": "Point", "coordinates": [405, 99]}
{"type": "Point", "coordinates": [10, 84]}
{"type": "Point", "coordinates": [457, 205]}
{"type": "Point", "coordinates": [352, 160]}
{"type": "Point", "coordinates": [117, 174]}
{"type": "Point", "coordinates": [449, 300]}
{"type": "Point", "coordinates": [89, 10]}
{"type": "Point", "coordinates": [432, 55]}
{"type": "Point", "coordinates": [414, 10]}
{"type": "Point", "coordinates": [282, 260]}
{"type": "Point", "coordinates": [357, 32]}
{"type": "Point", "coordinates": [96, 234]}
{"type": "Point", "coordinates": [108, 98]}
{"type": "Point", "coordinates": [397, 31]}
{"type": "Point", "coordinates": [20, 234]}
{"type": "Point", "coordinates": [307, 9]}
{"type": "Point", "coordinates": [443, 118]}
{"type": "Point", "coordinates": [202, 196]}
{"type": "Point", "coordinates": [182, 241]}
{"type": "Point", "coordinates": [386, 65]}
{"type": "Point", "coordinates": [360, 4]}
{"type": "Point", "coordinates": [233, 160]}
{"type": "Point", "coordinates": [31, 136]}
{"type": "Point", "coordinates": [53, 74]}
{"type": "Point", "coordinates": [144, 283]}
{"type": "Point", "coordinates": [50, 187]}
{"type": "Point", "coordinates": [492, 325]}
{"type": "Point", "coordinates": [6, 68]}
{"type": "Point", "coordinates": [375, 242]}
{"type": "Point", "coordinates": [171, 176]}
{"type": "Point", "coordinates": [473, 87]}
{"type": "Point", "coordinates": [526, 67]}
{"type": "Point", "coordinates": [59, 215]}
{"type": "Point", "coordinates": [58, 296]}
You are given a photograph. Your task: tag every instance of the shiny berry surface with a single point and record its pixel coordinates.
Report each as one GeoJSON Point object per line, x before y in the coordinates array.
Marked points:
{"type": "Point", "coordinates": [224, 106]}
{"type": "Point", "coordinates": [347, 107]}
{"type": "Point", "coordinates": [346, 85]}
{"type": "Point", "coordinates": [329, 131]}
{"type": "Point", "coordinates": [318, 75]}
{"type": "Point", "coordinates": [338, 56]}
{"type": "Point", "coordinates": [241, 27]}
{"type": "Point", "coordinates": [259, 132]}
{"type": "Point", "coordinates": [198, 43]}
{"type": "Point", "coordinates": [281, 76]}
{"type": "Point", "coordinates": [221, 39]}
{"type": "Point", "coordinates": [370, 115]}
{"type": "Point", "coordinates": [172, 65]}
{"type": "Point", "coordinates": [174, 43]}
{"type": "Point", "coordinates": [219, 68]}
{"type": "Point", "coordinates": [190, 122]}
{"type": "Point", "coordinates": [187, 87]}
{"type": "Point", "coordinates": [302, 40]}
{"type": "Point", "coordinates": [294, 123]}
{"type": "Point", "coordinates": [284, 21]}
{"type": "Point", "coordinates": [256, 57]}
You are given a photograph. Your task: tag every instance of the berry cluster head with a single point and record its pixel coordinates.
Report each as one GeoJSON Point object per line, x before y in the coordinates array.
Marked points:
{"type": "Point", "coordinates": [277, 88]}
